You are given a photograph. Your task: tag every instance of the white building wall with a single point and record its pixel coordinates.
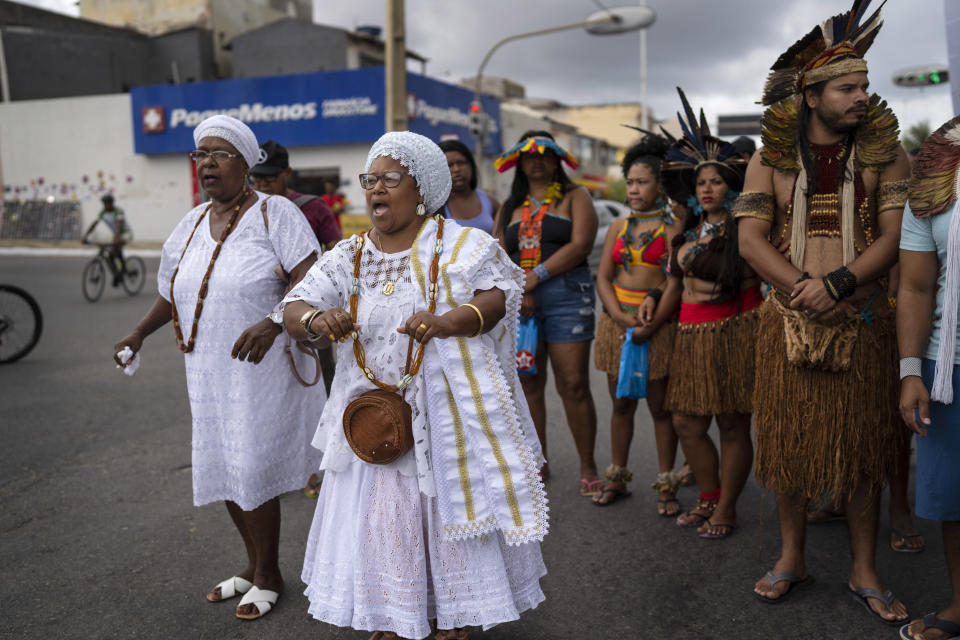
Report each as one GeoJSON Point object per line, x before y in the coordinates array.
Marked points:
{"type": "Point", "coordinates": [62, 141]}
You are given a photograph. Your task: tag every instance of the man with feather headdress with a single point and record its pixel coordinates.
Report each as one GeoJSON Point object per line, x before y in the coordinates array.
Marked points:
{"type": "Point", "coordinates": [819, 220]}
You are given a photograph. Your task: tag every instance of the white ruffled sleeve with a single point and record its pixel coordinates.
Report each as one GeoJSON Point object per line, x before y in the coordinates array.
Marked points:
{"type": "Point", "coordinates": [486, 266]}
{"type": "Point", "coordinates": [327, 283]}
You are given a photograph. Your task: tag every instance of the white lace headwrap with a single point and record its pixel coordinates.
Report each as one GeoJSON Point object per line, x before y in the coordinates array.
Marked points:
{"type": "Point", "coordinates": [423, 159]}
{"type": "Point", "coordinates": [233, 131]}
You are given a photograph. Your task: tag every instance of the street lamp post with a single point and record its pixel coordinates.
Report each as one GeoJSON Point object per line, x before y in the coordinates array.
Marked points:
{"type": "Point", "coordinates": [602, 23]}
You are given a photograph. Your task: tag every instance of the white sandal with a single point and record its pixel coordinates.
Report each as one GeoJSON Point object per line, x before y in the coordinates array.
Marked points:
{"type": "Point", "coordinates": [231, 587]}
{"type": "Point", "coordinates": [262, 599]}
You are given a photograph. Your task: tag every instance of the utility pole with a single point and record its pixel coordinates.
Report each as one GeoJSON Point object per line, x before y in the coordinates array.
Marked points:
{"type": "Point", "coordinates": [396, 67]}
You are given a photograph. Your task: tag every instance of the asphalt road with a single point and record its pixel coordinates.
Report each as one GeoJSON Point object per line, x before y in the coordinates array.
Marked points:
{"type": "Point", "coordinates": [100, 538]}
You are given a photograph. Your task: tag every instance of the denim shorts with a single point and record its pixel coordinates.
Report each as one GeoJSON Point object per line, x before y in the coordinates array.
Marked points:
{"type": "Point", "coordinates": [938, 474]}
{"type": "Point", "coordinates": [566, 307]}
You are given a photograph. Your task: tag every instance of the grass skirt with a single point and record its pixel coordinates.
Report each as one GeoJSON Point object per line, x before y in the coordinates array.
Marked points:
{"type": "Point", "coordinates": [609, 342]}
{"type": "Point", "coordinates": [819, 432]}
{"type": "Point", "coordinates": [712, 366]}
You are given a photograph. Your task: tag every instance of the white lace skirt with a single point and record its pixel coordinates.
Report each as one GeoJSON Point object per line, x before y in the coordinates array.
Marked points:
{"type": "Point", "coordinates": [375, 561]}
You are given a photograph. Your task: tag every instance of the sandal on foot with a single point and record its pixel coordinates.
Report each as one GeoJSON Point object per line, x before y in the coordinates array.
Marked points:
{"type": "Point", "coordinates": [865, 594]}
{"type": "Point", "coordinates": [590, 488]}
{"type": "Point", "coordinates": [729, 528]}
{"type": "Point", "coordinates": [774, 578]}
{"type": "Point", "coordinates": [615, 494]}
{"type": "Point", "coordinates": [666, 488]}
{"type": "Point", "coordinates": [898, 541]}
{"type": "Point", "coordinates": [261, 599]}
{"type": "Point", "coordinates": [931, 621]}
{"type": "Point", "coordinates": [230, 588]}
{"type": "Point", "coordinates": [702, 513]}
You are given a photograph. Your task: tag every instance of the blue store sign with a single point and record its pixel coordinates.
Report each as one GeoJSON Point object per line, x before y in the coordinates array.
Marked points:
{"type": "Point", "coordinates": [335, 107]}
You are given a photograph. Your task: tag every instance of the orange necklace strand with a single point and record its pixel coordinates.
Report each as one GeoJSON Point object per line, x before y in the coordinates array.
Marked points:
{"type": "Point", "coordinates": [358, 351]}
{"type": "Point", "coordinates": [531, 228]}
{"type": "Point", "coordinates": [202, 294]}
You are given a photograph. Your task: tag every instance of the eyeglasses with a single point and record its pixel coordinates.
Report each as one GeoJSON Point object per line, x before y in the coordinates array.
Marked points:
{"type": "Point", "coordinates": [220, 156]}
{"type": "Point", "coordinates": [390, 179]}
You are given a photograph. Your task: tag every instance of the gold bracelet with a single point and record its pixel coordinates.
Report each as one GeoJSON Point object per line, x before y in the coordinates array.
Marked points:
{"type": "Point", "coordinates": [479, 315]}
{"type": "Point", "coordinates": [306, 320]}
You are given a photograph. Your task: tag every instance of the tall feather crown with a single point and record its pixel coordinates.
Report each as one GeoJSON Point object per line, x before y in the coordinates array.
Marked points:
{"type": "Point", "coordinates": [695, 148]}
{"type": "Point", "coordinates": [832, 49]}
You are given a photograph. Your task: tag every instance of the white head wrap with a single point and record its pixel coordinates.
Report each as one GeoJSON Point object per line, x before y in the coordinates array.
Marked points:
{"type": "Point", "coordinates": [233, 131]}
{"type": "Point", "coordinates": [423, 159]}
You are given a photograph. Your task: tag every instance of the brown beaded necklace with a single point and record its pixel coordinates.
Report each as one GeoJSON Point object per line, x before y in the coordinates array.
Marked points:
{"type": "Point", "coordinates": [178, 332]}
{"type": "Point", "coordinates": [358, 350]}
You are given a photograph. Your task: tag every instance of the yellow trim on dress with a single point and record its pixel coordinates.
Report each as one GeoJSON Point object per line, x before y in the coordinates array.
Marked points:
{"type": "Point", "coordinates": [461, 452]}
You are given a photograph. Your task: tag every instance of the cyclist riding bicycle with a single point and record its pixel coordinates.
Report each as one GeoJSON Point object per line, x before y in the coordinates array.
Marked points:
{"type": "Point", "coordinates": [113, 218]}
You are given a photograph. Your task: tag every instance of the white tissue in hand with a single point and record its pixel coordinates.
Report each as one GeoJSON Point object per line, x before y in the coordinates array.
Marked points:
{"type": "Point", "coordinates": [130, 361]}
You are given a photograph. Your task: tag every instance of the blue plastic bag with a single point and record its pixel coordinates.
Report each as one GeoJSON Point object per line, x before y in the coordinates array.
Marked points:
{"type": "Point", "coordinates": [634, 368]}
{"type": "Point", "coordinates": [527, 346]}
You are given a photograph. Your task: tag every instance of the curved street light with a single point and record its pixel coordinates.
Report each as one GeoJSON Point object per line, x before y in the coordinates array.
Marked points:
{"type": "Point", "coordinates": [602, 23]}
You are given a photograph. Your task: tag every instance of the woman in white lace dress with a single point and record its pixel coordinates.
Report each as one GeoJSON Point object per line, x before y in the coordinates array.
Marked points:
{"type": "Point", "coordinates": [451, 530]}
{"type": "Point", "coordinates": [252, 421]}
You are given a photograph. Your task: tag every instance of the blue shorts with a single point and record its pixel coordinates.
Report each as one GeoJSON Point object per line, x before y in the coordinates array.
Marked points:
{"type": "Point", "coordinates": [566, 306]}
{"type": "Point", "coordinates": [938, 474]}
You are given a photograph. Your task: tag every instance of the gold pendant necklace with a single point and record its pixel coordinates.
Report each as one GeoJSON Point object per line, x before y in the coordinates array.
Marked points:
{"type": "Point", "coordinates": [388, 287]}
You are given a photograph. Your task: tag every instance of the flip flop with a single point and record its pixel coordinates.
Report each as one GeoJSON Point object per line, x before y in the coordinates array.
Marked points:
{"type": "Point", "coordinates": [931, 621]}
{"type": "Point", "coordinates": [617, 494]}
{"type": "Point", "coordinates": [231, 588]}
{"type": "Point", "coordinates": [901, 539]}
{"type": "Point", "coordinates": [774, 578]}
{"type": "Point", "coordinates": [262, 599]}
{"type": "Point", "coordinates": [590, 488]}
{"type": "Point", "coordinates": [862, 595]}
{"type": "Point", "coordinates": [706, 535]}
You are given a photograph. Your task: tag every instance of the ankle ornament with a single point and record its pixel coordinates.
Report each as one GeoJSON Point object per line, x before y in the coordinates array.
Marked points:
{"type": "Point", "coordinates": [615, 473]}
{"type": "Point", "coordinates": [666, 483]}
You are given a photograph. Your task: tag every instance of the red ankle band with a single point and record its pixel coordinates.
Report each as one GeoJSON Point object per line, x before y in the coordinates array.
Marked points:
{"type": "Point", "coordinates": [712, 495]}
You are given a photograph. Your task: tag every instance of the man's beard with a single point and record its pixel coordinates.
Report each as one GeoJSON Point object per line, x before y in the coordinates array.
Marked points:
{"type": "Point", "coordinates": [836, 121]}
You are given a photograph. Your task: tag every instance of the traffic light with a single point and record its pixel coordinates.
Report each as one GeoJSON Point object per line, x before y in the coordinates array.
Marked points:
{"type": "Point", "coordinates": [476, 120]}
{"type": "Point", "coordinates": [922, 76]}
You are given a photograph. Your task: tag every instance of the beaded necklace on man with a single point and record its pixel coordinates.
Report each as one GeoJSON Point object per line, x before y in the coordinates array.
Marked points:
{"type": "Point", "coordinates": [531, 227]}
{"type": "Point", "coordinates": [202, 293]}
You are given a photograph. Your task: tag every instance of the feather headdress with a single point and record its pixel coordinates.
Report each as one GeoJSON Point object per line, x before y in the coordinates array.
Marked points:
{"type": "Point", "coordinates": [695, 148]}
{"type": "Point", "coordinates": [832, 49]}
{"type": "Point", "coordinates": [933, 184]}
{"type": "Point", "coordinates": [509, 159]}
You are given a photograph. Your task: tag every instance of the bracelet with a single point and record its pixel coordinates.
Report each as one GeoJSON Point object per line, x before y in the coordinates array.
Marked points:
{"type": "Point", "coordinates": [542, 274]}
{"type": "Point", "coordinates": [656, 294]}
{"type": "Point", "coordinates": [840, 283]}
{"type": "Point", "coordinates": [479, 315]}
{"type": "Point", "coordinates": [909, 367]}
{"type": "Point", "coordinates": [306, 320]}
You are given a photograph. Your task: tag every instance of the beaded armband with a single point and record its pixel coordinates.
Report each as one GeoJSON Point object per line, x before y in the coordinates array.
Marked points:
{"type": "Point", "coordinates": [892, 195]}
{"type": "Point", "coordinates": [754, 204]}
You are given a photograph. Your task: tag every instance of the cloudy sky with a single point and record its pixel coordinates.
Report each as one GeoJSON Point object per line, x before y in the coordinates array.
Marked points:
{"type": "Point", "coordinates": [719, 52]}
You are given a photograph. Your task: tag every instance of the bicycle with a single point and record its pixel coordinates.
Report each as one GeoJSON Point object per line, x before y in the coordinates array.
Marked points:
{"type": "Point", "coordinates": [131, 275]}
{"type": "Point", "coordinates": [21, 323]}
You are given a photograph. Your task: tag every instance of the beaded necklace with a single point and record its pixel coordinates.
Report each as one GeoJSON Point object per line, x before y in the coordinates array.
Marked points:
{"type": "Point", "coordinates": [644, 237]}
{"type": "Point", "coordinates": [358, 351]}
{"type": "Point", "coordinates": [202, 294]}
{"type": "Point", "coordinates": [704, 230]}
{"type": "Point", "coordinates": [531, 228]}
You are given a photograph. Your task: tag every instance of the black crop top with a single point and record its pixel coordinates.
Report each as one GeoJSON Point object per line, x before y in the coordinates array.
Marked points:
{"type": "Point", "coordinates": [555, 232]}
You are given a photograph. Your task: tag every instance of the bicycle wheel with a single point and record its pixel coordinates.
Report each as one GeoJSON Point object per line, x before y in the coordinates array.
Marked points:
{"type": "Point", "coordinates": [134, 275]}
{"type": "Point", "coordinates": [20, 323]}
{"type": "Point", "coordinates": [94, 279]}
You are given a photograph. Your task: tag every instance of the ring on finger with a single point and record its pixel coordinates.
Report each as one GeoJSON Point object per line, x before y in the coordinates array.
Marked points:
{"type": "Point", "coordinates": [422, 326]}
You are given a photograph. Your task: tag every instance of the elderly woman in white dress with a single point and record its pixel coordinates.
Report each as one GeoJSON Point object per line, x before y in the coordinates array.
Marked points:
{"type": "Point", "coordinates": [252, 421]}
{"type": "Point", "coordinates": [450, 530]}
